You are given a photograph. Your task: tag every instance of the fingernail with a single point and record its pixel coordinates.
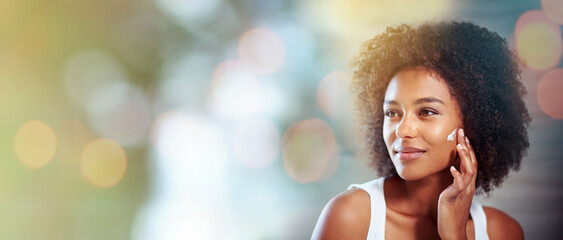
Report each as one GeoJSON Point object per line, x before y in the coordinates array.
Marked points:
{"type": "Point", "coordinates": [467, 140]}
{"type": "Point", "coordinates": [461, 132]}
{"type": "Point", "coordinates": [459, 146]}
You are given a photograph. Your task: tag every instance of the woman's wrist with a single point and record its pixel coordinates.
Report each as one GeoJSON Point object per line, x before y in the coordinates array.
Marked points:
{"type": "Point", "coordinates": [462, 237]}
{"type": "Point", "coordinates": [455, 236]}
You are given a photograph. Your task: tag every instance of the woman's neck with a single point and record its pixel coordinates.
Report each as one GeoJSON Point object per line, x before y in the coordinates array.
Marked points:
{"type": "Point", "coordinates": [418, 197]}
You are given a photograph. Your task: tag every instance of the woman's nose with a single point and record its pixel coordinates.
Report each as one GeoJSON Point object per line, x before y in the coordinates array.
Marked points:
{"type": "Point", "coordinates": [406, 128]}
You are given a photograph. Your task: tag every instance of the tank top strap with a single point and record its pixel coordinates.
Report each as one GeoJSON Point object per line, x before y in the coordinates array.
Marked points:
{"type": "Point", "coordinates": [374, 189]}
{"type": "Point", "coordinates": [479, 220]}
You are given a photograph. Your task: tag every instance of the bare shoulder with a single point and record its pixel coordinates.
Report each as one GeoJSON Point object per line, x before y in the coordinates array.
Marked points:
{"type": "Point", "coordinates": [345, 216]}
{"type": "Point", "coordinates": [502, 226]}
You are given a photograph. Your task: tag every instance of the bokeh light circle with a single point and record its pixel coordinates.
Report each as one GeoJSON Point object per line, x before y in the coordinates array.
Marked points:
{"type": "Point", "coordinates": [190, 146]}
{"type": "Point", "coordinates": [553, 9]}
{"type": "Point", "coordinates": [333, 96]}
{"type": "Point", "coordinates": [262, 50]}
{"type": "Point", "coordinates": [87, 72]}
{"type": "Point", "coordinates": [257, 142]}
{"type": "Point", "coordinates": [103, 162]}
{"type": "Point", "coordinates": [539, 46]}
{"type": "Point", "coordinates": [121, 112]}
{"type": "Point", "coordinates": [236, 91]}
{"type": "Point", "coordinates": [35, 144]}
{"type": "Point", "coordinates": [191, 11]}
{"type": "Point", "coordinates": [550, 93]}
{"type": "Point", "coordinates": [534, 16]}
{"type": "Point", "coordinates": [72, 137]}
{"type": "Point", "coordinates": [310, 151]}
{"type": "Point", "coordinates": [182, 78]}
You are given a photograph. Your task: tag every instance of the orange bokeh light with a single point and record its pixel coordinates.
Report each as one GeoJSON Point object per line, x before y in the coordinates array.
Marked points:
{"type": "Point", "coordinates": [35, 144]}
{"type": "Point", "coordinates": [539, 46]}
{"type": "Point", "coordinates": [538, 40]}
{"type": "Point", "coordinates": [550, 93]}
{"type": "Point", "coordinates": [103, 162]}
{"type": "Point", "coordinates": [534, 16]}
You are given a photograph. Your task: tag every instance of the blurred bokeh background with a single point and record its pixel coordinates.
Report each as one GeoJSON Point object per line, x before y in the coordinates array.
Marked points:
{"type": "Point", "coordinates": [218, 119]}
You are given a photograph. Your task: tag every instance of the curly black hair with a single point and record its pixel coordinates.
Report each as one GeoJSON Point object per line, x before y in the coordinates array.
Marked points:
{"type": "Point", "coordinates": [482, 75]}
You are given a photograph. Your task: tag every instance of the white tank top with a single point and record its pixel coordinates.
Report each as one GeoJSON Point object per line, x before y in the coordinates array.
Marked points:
{"type": "Point", "coordinates": [376, 230]}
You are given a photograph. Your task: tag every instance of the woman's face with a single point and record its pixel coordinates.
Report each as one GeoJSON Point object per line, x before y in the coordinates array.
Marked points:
{"type": "Point", "coordinates": [420, 113]}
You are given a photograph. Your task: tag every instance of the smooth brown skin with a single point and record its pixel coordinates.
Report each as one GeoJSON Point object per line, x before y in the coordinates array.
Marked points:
{"type": "Point", "coordinates": [429, 199]}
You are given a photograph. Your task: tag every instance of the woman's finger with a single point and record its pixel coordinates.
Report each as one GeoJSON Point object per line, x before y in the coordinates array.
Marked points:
{"type": "Point", "coordinates": [458, 182]}
{"type": "Point", "coordinates": [473, 157]}
{"type": "Point", "coordinates": [460, 136]}
{"type": "Point", "coordinates": [465, 143]}
{"type": "Point", "coordinates": [460, 140]}
{"type": "Point", "coordinates": [465, 166]}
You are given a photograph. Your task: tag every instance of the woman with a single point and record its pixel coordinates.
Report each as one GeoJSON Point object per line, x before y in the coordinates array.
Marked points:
{"type": "Point", "coordinates": [443, 114]}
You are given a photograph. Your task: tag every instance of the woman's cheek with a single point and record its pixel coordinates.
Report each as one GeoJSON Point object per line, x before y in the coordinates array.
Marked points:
{"type": "Point", "coordinates": [388, 133]}
{"type": "Point", "coordinates": [438, 131]}
{"type": "Point", "coordinates": [437, 137]}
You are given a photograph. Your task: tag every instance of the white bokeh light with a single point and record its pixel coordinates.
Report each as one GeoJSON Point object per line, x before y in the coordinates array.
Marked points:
{"type": "Point", "coordinates": [333, 95]}
{"type": "Point", "coordinates": [190, 181]}
{"type": "Point", "coordinates": [278, 102]}
{"type": "Point", "coordinates": [257, 143]}
{"type": "Point", "coordinates": [236, 92]}
{"type": "Point", "coordinates": [263, 50]}
{"type": "Point", "coordinates": [190, 143]}
{"type": "Point", "coordinates": [182, 78]}
{"type": "Point", "coordinates": [191, 11]}
{"type": "Point", "coordinates": [120, 112]}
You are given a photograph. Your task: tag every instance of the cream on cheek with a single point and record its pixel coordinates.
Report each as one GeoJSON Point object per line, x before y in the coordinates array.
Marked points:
{"type": "Point", "coordinates": [452, 136]}
{"type": "Point", "coordinates": [436, 136]}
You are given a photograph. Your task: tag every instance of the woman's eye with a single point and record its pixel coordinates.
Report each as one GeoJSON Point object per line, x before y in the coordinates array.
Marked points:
{"type": "Point", "coordinates": [428, 112]}
{"type": "Point", "coordinates": [390, 113]}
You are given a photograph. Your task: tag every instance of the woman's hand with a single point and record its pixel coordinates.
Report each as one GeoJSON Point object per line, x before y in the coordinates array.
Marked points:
{"type": "Point", "coordinates": [455, 200]}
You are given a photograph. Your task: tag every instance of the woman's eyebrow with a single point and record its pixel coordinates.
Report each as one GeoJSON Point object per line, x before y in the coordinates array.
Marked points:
{"type": "Point", "coordinates": [417, 101]}
{"type": "Point", "coordinates": [427, 100]}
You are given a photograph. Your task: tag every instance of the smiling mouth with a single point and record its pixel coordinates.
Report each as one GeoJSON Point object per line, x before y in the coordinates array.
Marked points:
{"type": "Point", "coordinates": [410, 155]}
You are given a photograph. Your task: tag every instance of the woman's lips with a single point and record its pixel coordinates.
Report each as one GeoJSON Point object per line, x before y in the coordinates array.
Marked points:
{"type": "Point", "coordinates": [410, 155]}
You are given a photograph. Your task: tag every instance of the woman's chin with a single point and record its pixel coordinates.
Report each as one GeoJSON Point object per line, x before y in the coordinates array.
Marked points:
{"type": "Point", "coordinates": [410, 176]}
